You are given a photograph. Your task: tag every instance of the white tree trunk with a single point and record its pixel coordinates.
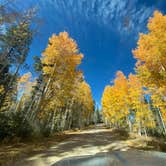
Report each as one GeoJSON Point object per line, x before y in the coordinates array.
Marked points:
{"type": "Point", "coordinates": [164, 127]}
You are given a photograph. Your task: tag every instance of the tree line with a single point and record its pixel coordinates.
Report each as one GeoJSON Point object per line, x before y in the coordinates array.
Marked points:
{"type": "Point", "coordinates": [57, 99]}
{"type": "Point", "coordinates": [138, 102]}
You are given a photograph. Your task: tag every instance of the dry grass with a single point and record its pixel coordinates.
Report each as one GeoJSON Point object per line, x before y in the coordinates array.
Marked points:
{"type": "Point", "coordinates": [15, 150]}
{"type": "Point", "coordinates": [146, 143]}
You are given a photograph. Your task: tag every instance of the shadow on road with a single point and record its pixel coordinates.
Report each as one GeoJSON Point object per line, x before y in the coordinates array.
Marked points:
{"type": "Point", "coordinates": [100, 144]}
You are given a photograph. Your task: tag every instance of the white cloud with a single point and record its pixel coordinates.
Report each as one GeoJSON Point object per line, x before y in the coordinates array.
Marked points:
{"type": "Point", "coordinates": [125, 15]}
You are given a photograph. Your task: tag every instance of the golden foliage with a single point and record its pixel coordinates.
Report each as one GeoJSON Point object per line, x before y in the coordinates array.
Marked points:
{"type": "Point", "coordinates": [60, 60]}
{"type": "Point", "coordinates": [126, 95]}
{"type": "Point", "coordinates": [151, 51]}
{"type": "Point", "coordinates": [84, 97]}
{"type": "Point", "coordinates": [115, 100]}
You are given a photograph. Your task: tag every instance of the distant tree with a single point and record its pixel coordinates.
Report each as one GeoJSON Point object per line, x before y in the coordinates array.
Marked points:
{"type": "Point", "coordinates": [124, 104]}
{"type": "Point", "coordinates": [98, 114]}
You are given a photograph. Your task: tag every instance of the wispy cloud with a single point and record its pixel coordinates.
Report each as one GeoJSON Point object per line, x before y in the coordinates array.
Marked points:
{"type": "Point", "coordinates": [122, 16]}
{"type": "Point", "coordinates": [125, 16]}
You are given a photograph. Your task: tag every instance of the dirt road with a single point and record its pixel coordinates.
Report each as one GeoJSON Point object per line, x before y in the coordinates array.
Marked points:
{"type": "Point", "coordinates": [85, 143]}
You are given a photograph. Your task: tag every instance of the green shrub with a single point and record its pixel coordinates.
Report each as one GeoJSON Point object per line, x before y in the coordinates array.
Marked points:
{"type": "Point", "coordinates": [14, 125]}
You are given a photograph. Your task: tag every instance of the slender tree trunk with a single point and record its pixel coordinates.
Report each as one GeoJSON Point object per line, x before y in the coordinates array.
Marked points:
{"type": "Point", "coordinates": [44, 91]}
{"type": "Point", "coordinates": [130, 124]}
{"type": "Point", "coordinates": [53, 122]}
{"type": "Point", "coordinates": [70, 120]}
{"type": "Point", "coordinates": [18, 104]}
{"type": "Point", "coordinates": [64, 119]}
{"type": "Point", "coordinates": [29, 109]}
{"type": "Point", "coordinates": [145, 132]}
{"type": "Point", "coordinates": [3, 97]}
{"type": "Point", "coordinates": [139, 129]}
{"type": "Point", "coordinates": [68, 117]}
{"type": "Point", "coordinates": [34, 113]}
{"type": "Point", "coordinates": [80, 118]}
{"type": "Point", "coordinates": [164, 127]}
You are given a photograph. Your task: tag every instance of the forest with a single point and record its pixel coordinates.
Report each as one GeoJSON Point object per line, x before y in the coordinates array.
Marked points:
{"type": "Point", "coordinates": [57, 98]}
{"type": "Point", "coordinates": [50, 108]}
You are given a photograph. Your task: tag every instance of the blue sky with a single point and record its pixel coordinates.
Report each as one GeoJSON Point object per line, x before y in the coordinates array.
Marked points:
{"type": "Point", "coordinates": [106, 31]}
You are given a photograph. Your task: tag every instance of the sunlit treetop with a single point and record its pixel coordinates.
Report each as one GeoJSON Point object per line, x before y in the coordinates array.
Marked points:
{"type": "Point", "coordinates": [151, 52]}
{"type": "Point", "coordinates": [61, 51]}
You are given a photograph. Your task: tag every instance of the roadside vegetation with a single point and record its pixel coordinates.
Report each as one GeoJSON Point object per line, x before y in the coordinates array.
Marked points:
{"type": "Point", "coordinates": [138, 102]}
{"type": "Point", "coordinates": [56, 97]}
